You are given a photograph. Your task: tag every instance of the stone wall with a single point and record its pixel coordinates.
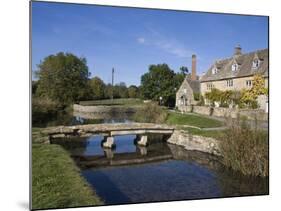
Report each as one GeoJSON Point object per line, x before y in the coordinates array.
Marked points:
{"type": "Point", "coordinates": [251, 114]}
{"type": "Point", "coordinates": [104, 109]}
{"type": "Point", "coordinates": [195, 142]}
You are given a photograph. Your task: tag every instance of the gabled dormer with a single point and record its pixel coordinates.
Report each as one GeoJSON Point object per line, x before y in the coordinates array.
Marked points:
{"type": "Point", "coordinates": [216, 68]}
{"type": "Point", "coordinates": [235, 65]}
{"type": "Point", "coordinates": [256, 62]}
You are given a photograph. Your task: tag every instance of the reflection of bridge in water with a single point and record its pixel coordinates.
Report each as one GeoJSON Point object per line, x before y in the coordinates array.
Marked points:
{"type": "Point", "coordinates": [144, 131]}
{"type": "Point", "coordinates": [154, 153]}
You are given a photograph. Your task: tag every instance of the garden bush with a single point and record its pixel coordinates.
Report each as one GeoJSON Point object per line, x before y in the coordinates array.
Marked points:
{"type": "Point", "coordinates": [151, 113]}
{"type": "Point", "coordinates": [245, 149]}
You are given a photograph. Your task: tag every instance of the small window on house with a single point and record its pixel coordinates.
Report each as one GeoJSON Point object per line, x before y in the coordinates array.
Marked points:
{"type": "Point", "coordinates": [229, 83]}
{"type": "Point", "coordinates": [256, 64]}
{"type": "Point", "coordinates": [214, 70]}
{"type": "Point", "coordinates": [210, 86]}
{"type": "Point", "coordinates": [234, 67]}
{"type": "Point", "coordinates": [249, 83]}
{"type": "Point", "coordinates": [184, 91]}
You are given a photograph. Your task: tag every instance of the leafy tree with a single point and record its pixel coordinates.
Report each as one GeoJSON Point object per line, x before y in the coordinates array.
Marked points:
{"type": "Point", "coordinates": [63, 77]}
{"type": "Point", "coordinates": [214, 95]}
{"type": "Point", "coordinates": [184, 70]}
{"type": "Point", "coordinates": [34, 87]}
{"type": "Point", "coordinates": [133, 91]}
{"type": "Point", "coordinates": [97, 88]}
{"type": "Point", "coordinates": [159, 82]}
{"type": "Point", "coordinates": [120, 90]}
{"type": "Point", "coordinates": [250, 96]}
{"type": "Point", "coordinates": [178, 79]}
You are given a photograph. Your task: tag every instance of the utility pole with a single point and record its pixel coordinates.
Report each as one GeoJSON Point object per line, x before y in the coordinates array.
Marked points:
{"type": "Point", "coordinates": [112, 84]}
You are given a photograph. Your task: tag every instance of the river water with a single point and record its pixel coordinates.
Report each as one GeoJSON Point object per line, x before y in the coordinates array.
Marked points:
{"type": "Point", "coordinates": [158, 172]}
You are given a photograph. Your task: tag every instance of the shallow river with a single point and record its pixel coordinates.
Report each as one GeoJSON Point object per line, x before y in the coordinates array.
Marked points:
{"type": "Point", "coordinates": [159, 172]}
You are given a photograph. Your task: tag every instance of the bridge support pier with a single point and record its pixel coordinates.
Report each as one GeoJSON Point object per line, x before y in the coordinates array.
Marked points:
{"type": "Point", "coordinates": [143, 140]}
{"type": "Point", "coordinates": [108, 153]}
{"type": "Point", "coordinates": [108, 142]}
{"type": "Point", "coordinates": [142, 150]}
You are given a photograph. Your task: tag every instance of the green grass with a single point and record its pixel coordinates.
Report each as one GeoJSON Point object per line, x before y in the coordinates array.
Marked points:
{"type": "Point", "coordinates": [56, 180]}
{"type": "Point", "coordinates": [109, 102]}
{"type": "Point", "coordinates": [192, 120]}
{"type": "Point", "coordinates": [217, 134]}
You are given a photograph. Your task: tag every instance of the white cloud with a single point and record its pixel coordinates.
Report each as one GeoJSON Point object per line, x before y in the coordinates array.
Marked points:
{"type": "Point", "coordinates": [141, 40]}
{"type": "Point", "coordinates": [174, 47]}
{"type": "Point", "coordinates": [171, 46]}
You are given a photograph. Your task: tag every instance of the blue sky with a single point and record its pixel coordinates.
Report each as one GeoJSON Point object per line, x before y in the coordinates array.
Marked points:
{"type": "Point", "coordinates": [130, 39]}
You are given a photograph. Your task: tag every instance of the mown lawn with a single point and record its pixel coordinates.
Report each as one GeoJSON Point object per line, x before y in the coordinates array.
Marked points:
{"type": "Point", "coordinates": [192, 120]}
{"type": "Point", "coordinates": [109, 102]}
{"type": "Point", "coordinates": [217, 134]}
{"type": "Point", "coordinates": [56, 180]}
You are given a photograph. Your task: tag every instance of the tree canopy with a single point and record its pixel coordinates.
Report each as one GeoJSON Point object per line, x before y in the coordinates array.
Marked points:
{"type": "Point", "coordinates": [63, 77]}
{"type": "Point", "coordinates": [161, 81]}
{"type": "Point", "coordinates": [97, 88]}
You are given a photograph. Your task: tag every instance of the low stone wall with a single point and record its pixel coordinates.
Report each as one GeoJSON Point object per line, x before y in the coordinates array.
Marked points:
{"type": "Point", "coordinates": [194, 142]}
{"type": "Point", "coordinates": [251, 114]}
{"type": "Point", "coordinates": [104, 109]}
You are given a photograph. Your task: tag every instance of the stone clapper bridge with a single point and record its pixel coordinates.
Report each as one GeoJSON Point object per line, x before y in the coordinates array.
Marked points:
{"type": "Point", "coordinates": [141, 130]}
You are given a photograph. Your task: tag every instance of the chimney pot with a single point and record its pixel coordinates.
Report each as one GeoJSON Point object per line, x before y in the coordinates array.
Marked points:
{"type": "Point", "coordinates": [238, 50]}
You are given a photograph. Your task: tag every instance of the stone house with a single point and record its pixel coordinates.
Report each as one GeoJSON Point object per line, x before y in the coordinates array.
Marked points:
{"type": "Point", "coordinates": [237, 73]}
{"type": "Point", "coordinates": [234, 73]}
{"type": "Point", "coordinates": [189, 86]}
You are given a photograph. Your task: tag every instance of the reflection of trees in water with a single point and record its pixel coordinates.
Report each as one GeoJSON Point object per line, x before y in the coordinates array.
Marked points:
{"type": "Point", "coordinates": [236, 184]}
{"type": "Point", "coordinates": [231, 183]}
{"type": "Point", "coordinates": [75, 145]}
{"type": "Point", "coordinates": [106, 117]}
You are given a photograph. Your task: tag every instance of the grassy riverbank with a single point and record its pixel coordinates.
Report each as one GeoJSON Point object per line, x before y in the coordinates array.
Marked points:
{"type": "Point", "coordinates": [192, 120]}
{"type": "Point", "coordinates": [217, 134]}
{"type": "Point", "coordinates": [56, 180]}
{"type": "Point", "coordinates": [109, 102]}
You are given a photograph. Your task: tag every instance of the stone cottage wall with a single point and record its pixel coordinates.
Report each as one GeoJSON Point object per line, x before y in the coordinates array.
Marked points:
{"type": "Point", "coordinates": [226, 112]}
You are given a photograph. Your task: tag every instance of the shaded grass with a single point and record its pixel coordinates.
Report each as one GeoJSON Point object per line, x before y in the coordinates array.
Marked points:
{"type": "Point", "coordinates": [192, 120]}
{"type": "Point", "coordinates": [56, 180]}
{"type": "Point", "coordinates": [109, 102]}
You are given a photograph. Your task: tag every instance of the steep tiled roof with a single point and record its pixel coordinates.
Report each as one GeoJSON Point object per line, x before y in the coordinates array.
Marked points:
{"type": "Point", "coordinates": [194, 85]}
{"type": "Point", "coordinates": [245, 61]}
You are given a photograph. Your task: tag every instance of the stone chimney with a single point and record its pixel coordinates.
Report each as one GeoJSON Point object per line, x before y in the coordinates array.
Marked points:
{"type": "Point", "coordinates": [238, 50]}
{"type": "Point", "coordinates": [193, 68]}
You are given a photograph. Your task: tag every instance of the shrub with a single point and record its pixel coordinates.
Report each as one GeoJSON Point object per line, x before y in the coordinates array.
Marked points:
{"type": "Point", "coordinates": [201, 101]}
{"type": "Point", "coordinates": [196, 96]}
{"type": "Point", "coordinates": [245, 149]}
{"type": "Point", "coordinates": [151, 113]}
{"type": "Point", "coordinates": [44, 109]}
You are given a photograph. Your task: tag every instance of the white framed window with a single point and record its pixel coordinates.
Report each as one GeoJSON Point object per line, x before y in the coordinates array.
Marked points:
{"type": "Point", "coordinates": [256, 64]}
{"type": "Point", "coordinates": [184, 91]}
{"type": "Point", "coordinates": [229, 83]}
{"type": "Point", "coordinates": [210, 86]}
{"type": "Point", "coordinates": [214, 70]}
{"type": "Point", "coordinates": [249, 83]}
{"type": "Point", "coordinates": [234, 67]}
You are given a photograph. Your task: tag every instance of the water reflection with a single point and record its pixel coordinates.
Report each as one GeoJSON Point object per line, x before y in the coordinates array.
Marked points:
{"type": "Point", "coordinates": [159, 172]}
